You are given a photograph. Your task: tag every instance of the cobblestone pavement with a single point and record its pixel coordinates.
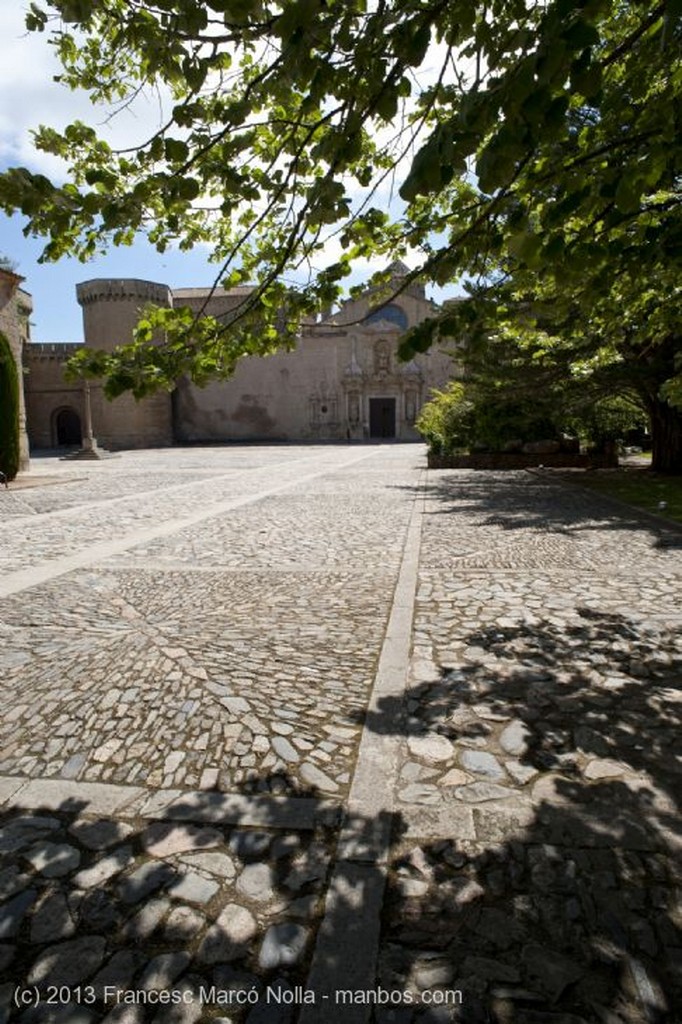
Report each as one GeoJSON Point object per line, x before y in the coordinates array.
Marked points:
{"type": "Point", "coordinates": [538, 871]}
{"type": "Point", "coordinates": [189, 644]}
{"type": "Point", "coordinates": [197, 623]}
{"type": "Point", "coordinates": [226, 653]}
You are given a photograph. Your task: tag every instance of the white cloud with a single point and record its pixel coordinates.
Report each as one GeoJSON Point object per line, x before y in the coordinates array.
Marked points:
{"type": "Point", "coordinates": [29, 97]}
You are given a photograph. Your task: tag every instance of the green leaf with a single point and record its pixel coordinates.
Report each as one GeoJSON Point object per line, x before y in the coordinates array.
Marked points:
{"type": "Point", "coordinates": [628, 192]}
{"type": "Point", "coordinates": [176, 151]}
{"type": "Point", "coordinates": [498, 162]}
{"type": "Point", "coordinates": [424, 176]}
{"type": "Point", "coordinates": [526, 247]}
{"type": "Point", "coordinates": [412, 42]}
{"type": "Point", "coordinates": [387, 104]}
{"type": "Point", "coordinates": [186, 188]}
{"type": "Point", "coordinates": [580, 35]}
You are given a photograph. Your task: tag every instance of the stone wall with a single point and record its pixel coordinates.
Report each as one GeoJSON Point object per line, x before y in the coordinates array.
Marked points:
{"type": "Point", "coordinates": [48, 393]}
{"type": "Point", "coordinates": [111, 309]}
{"type": "Point", "coordinates": [16, 307]}
{"type": "Point", "coordinates": [325, 389]}
{"type": "Point", "coordinates": [321, 391]}
{"type": "Point", "coordinates": [342, 382]}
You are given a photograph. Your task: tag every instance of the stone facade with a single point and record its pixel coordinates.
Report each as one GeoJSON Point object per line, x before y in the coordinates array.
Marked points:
{"type": "Point", "coordinates": [15, 310]}
{"type": "Point", "coordinates": [56, 413]}
{"type": "Point", "coordinates": [342, 382]}
{"type": "Point", "coordinates": [54, 406]}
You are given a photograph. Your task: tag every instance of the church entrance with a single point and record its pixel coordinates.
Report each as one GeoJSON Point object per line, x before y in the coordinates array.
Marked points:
{"type": "Point", "coordinates": [68, 427]}
{"type": "Point", "coordinates": [382, 417]}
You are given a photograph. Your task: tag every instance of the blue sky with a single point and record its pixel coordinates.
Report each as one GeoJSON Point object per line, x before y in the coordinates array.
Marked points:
{"type": "Point", "coordinates": [27, 67]}
{"type": "Point", "coordinates": [56, 314]}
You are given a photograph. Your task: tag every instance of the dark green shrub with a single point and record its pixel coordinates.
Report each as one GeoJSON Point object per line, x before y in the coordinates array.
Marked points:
{"type": "Point", "coordinates": [498, 420]}
{"type": "Point", "coordinates": [461, 418]}
{"type": "Point", "coordinates": [9, 411]}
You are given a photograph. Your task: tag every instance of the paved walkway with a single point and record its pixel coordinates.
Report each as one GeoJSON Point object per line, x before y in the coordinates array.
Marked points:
{"type": "Point", "coordinates": [309, 734]}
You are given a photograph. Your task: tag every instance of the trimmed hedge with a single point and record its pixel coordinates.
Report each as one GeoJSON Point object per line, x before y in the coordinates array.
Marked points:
{"type": "Point", "coordinates": [9, 411]}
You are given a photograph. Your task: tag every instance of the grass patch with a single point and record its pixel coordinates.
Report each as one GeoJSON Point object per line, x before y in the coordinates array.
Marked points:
{"type": "Point", "coordinates": [640, 487]}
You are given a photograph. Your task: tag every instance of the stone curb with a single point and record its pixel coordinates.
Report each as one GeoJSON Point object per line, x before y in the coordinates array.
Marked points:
{"type": "Point", "coordinates": [345, 954]}
{"type": "Point", "coordinates": [93, 798]}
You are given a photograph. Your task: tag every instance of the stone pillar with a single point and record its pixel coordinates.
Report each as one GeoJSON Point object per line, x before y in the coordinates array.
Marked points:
{"type": "Point", "coordinates": [353, 384]}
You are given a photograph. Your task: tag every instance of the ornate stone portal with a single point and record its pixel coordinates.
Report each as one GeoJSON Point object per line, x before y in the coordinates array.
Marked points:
{"type": "Point", "coordinates": [382, 398]}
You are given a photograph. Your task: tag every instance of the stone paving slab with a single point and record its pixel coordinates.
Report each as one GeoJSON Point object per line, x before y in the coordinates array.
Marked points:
{"type": "Point", "coordinates": [9, 786]}
{"type": "Point", "coordinates": [53, 794]}
{"type": "Point", "coordinates": [238, 809]}
{"type": "Point", "coordinates": [520, 800]}
{"type": "Point", "coordinates": [168, 804]}
{"type": "Point", "coordinates": [344, 957]}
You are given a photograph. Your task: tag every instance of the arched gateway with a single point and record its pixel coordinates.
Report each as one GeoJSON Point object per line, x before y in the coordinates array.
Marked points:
{"type": "Point", "coordinates": [67, 428]}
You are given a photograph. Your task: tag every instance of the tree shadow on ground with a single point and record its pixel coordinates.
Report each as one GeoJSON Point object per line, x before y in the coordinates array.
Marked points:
{"type": "Point", "coordinates": [540, 881]}
{"type": "Point", "coordinates": [103, 917]}
{"type": "Point", "coordinates": [558, 902]}
{"type": "Point", "coordinates": [527, 501]}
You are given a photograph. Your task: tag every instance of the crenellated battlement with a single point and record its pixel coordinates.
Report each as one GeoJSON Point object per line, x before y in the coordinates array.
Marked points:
{"type": "Point", "coordinates": [124, 289]}
{"type": "Point", "coordinates": [57, 350]}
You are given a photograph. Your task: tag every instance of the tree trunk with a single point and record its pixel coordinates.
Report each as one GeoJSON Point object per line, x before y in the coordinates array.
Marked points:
{"type": "Point", "coordinates": [666, 437]}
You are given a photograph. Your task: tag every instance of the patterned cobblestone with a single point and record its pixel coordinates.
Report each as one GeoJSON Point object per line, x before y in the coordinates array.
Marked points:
{"type": "Point", "coordinates": [536, 868]}
{"type": "Point", "coordinates": [288, 533]}
{"type": "Point", "coordinates": [171, 714]}
{"type": "Point", "coordinates": [235, 655]}
{"type": "Point", "coordinates": [174, 676]}
{"type": "Point", "coordinates": [35, 539]}
{"type": "Point", "coordinates": [516, 520]}
{"type": "Point", "coordinates": [168, 680]}
{"type": "Point", "coordinates": [136, 473]}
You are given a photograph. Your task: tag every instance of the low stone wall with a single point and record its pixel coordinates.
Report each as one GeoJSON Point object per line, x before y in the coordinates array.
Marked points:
{"type": "Point", "coordinates": [521, 460]}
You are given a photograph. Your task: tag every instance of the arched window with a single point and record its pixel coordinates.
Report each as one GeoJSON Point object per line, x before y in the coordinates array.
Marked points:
{"type": "Point", "coordinates": [393, 313]}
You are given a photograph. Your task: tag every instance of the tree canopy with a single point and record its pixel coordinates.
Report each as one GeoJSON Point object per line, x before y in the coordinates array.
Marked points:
{"type": "Point", "coordinates": [532, 148]}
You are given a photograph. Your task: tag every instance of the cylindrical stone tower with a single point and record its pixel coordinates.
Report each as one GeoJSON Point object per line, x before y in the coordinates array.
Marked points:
{"type": "Point", "coordinates": [111, 309]}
